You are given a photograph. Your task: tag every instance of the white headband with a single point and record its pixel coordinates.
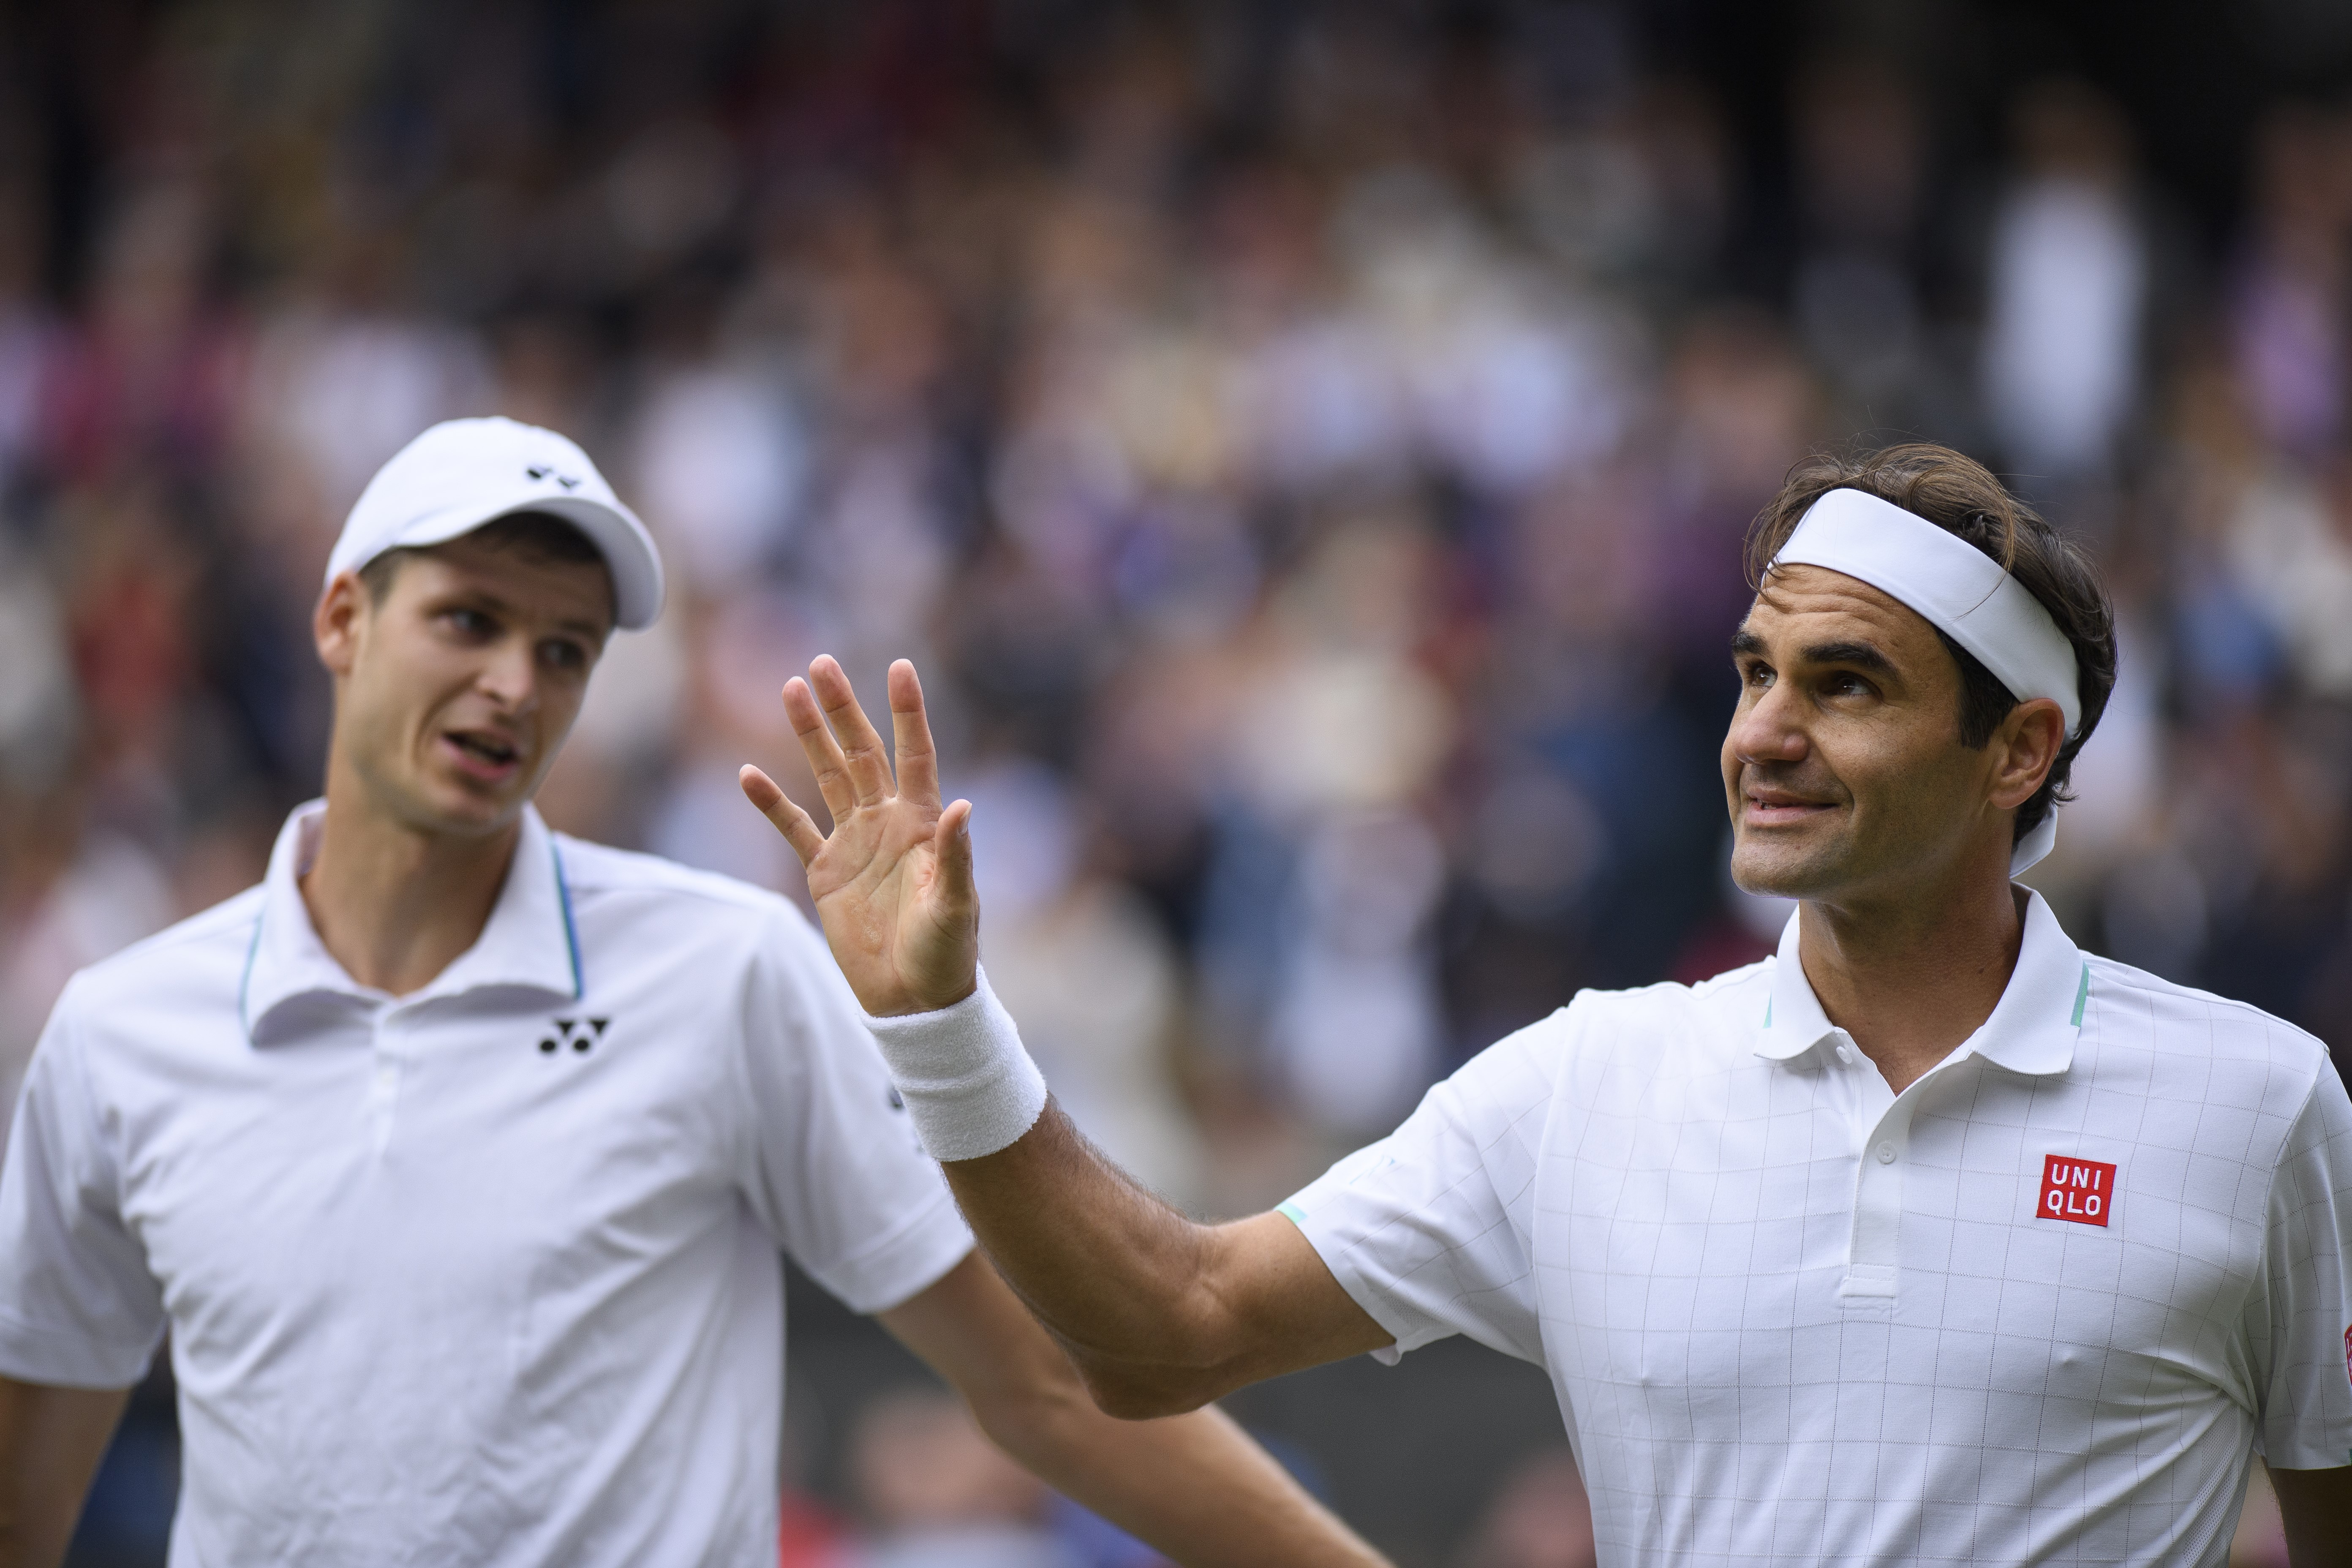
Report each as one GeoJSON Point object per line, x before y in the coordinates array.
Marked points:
{"type": "Point", "coordinates": [1958, 589]}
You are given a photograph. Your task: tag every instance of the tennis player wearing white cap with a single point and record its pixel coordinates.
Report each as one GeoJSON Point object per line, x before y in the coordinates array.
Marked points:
{"type": "Point", "coordinates": [456, 1157]}
{"type": "Point", "coordinates": [1932, 1238]}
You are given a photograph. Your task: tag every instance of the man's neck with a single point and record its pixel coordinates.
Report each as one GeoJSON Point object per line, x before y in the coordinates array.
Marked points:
{"type": "Point", "coordinates": [395, 905]}
{"type": "Point", "coordinates": [1910, 982]}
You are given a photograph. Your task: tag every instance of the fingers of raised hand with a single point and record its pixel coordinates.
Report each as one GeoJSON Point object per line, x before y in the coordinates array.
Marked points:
{"type": "Point", "coordinates": [911, 731]}
{"type": "Point", "coordinates": [823, 752]}
{"type": "Point", "coordinates": [860, 745]}
{"type": "Point", "coordinates": [777, 806]}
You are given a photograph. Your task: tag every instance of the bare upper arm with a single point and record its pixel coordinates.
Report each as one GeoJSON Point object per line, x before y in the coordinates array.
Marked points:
{"type": "Point", "coordinates": [2316, 1508]}
{"type": "Point", "coordinates": [51, 1440]}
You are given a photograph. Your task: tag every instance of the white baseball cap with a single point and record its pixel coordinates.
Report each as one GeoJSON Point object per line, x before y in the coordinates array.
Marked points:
{"type": "Point", "coordinates": [462, 473]}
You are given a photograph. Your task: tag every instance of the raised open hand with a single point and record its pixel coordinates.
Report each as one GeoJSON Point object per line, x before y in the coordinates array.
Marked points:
{"type": "Point", "coordinates": [893, 882]}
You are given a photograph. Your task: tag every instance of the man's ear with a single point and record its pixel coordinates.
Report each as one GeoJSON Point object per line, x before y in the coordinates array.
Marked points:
{"type": "Point", "coordinates": [335, 624]}
{"type": "Point", "coordinates": [2025, 748]}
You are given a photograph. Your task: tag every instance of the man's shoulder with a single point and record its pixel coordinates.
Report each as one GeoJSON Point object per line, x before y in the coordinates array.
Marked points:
{"type": "Point", "coordinates": [1643, 1021]}
{"type": "Point", "coordinates": [207, 950]}
{"type": "Point", "coordinates": [2132, 1009]}
{"type": "Point", "coordinates": [661, 914]}
{"type": "Point", "coordinates": [1734, 999]}
{"type": "Point", "coordinates": [593, 871]}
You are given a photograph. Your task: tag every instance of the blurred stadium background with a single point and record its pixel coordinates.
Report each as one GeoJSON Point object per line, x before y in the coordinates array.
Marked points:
{"type": "Point", "coordinates": [1305, 445]}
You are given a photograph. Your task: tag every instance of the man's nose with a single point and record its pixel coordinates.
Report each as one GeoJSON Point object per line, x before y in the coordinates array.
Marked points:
{"type": "Point", "coordinates": [511, 675]}
{"type": "Point", "coordinates": [1767, 729]}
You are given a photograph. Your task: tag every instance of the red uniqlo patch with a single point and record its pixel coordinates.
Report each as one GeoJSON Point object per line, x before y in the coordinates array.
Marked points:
{"type": "Point", "coordinates": [2083, 1191]}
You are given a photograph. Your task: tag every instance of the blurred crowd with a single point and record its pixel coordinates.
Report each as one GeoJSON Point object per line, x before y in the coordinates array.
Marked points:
{"type": "Point", "coordinates": [1305, 447]}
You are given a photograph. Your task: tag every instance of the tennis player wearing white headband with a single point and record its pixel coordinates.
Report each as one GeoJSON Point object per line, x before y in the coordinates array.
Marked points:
{"type": "Point", "coordinates": [1931, 1239]}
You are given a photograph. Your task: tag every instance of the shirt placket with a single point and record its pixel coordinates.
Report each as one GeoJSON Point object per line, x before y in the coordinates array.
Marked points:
{"type": "Point", "coordinates": [1881, 1120]}
{"type": "Point", "coordinates": [384, 1075]}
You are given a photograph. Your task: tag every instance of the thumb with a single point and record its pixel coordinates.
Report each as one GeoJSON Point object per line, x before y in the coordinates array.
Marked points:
{"type": "Point", "coordinates": [951, 843]}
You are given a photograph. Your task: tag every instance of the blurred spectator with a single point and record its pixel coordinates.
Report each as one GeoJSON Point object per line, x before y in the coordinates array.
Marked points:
{"type": "Point", "coordinates": [2287, 316]}
{"type": "Point", "coordinates": [1540, 1518]}
{"type": "Point", "coordinates": [935, 1493]}
{"type": "Point", "coordinates": [2069, 280]}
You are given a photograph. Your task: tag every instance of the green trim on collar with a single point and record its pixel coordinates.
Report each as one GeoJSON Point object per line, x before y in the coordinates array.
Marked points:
{"type": "Point", "coordinates": [2081, 995]}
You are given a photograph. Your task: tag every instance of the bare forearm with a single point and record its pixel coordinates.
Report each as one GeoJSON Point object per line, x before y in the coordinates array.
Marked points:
{"type": "Point", "coordinates": [51, 1440]}
{"type": "Point", "coordinates": [1110, 1267]}
{"type": "Point", "coordinates": [2315, 1507]}
{"type": "Point", "coordinates": [1194, 1487]}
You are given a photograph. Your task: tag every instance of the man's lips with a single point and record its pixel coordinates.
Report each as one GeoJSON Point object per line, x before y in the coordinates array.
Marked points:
{"type": "Point", "coordinates": [479, 754]}
{"type": "Point", "coordinates": [1780, 808]}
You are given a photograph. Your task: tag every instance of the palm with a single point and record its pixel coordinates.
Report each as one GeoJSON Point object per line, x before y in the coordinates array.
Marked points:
{"type": "Point", "coordinates": [892, 882]}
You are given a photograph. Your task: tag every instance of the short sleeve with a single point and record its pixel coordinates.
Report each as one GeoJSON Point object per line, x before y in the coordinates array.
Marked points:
{"type": "Point", "coordinates": [77, 1306]}
{"type": "Point", "coordinates": [835, 1170]}
{"type": "Point", "coordinates": [1431, 1229]}
{"type": "Point", "coordinates": [2302, 1311]}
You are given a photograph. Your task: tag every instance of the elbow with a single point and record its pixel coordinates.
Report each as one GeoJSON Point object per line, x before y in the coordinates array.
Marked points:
{"type": "Point", "coordinates": [1129, 1390]}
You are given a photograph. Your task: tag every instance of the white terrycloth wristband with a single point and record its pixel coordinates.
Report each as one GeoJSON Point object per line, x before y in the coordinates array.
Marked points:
{"type": "Point", "coordinates": [967, 1081]}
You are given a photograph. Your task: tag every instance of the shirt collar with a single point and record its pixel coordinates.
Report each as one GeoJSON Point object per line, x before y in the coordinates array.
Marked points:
{"type": "Point", "coordinates": [530, 940]}
{"type": "Point", "coordinates": [2032, 1029]}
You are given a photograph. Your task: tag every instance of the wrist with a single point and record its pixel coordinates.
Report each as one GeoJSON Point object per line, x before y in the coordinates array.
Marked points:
{"type": "Point", "coordinates": [922, 1006]}
{"type": "Point", "coordinates": [966, 1079]}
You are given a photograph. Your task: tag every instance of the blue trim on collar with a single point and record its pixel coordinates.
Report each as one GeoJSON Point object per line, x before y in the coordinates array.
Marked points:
{"type": "Point", "coordinates": [571, 931]}
{"type": "Point", "coordinates": [245, 980]}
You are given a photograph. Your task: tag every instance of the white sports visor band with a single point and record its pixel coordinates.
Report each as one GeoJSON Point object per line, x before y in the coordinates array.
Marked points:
{"type": "Point", "coordinates": [1958, 590]}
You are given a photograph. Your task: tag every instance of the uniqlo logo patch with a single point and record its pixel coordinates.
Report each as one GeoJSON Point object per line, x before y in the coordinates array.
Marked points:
{"type": "Point", "coordinates": [2083, 1191]}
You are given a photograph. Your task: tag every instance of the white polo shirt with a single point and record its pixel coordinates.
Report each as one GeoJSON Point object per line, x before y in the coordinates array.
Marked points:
{"type": "Point", "coordinates": [485, 1274]}
{"type": "Point", "coordinates": [2040, 1307]}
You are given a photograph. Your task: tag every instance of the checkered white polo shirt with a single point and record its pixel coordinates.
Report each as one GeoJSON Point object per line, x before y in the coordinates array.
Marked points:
{"type": "Point", "coordinates": [2044, 1305]}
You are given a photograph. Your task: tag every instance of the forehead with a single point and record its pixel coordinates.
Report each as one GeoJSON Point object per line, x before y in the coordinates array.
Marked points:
{"type": "Point", "coordinates": [1805, 606]}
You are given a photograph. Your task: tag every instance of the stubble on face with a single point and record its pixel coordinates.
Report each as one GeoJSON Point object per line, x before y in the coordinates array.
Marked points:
{"type": "Point", "coordinates": [1843, 767]}
{"type": "Point", "coordinates": [465, 679]}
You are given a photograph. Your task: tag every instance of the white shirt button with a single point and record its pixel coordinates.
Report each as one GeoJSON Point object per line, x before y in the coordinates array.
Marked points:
{"type": "Point", "coordinates": [1845, 1055]}
{"type": "Point", "coordinates": [1887, 1153]}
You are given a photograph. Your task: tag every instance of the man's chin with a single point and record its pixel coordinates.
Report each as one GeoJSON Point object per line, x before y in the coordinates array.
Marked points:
{"type": "Point", "coordinates": [457, 812]}
{"type": "Point", "coordinates": [1780, 868]}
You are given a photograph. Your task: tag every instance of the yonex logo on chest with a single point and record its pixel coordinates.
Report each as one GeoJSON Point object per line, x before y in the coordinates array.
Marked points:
{"type": "Point", "coordinates": [580, 1034]}
{"type": "Point", "coordinates": [2083, 1191]}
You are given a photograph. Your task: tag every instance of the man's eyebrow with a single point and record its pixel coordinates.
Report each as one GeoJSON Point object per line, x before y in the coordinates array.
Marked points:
{"type": "Point", "coordinates": [1744, 641]}
{"type": "Point", "coordinates": [1860, 655]}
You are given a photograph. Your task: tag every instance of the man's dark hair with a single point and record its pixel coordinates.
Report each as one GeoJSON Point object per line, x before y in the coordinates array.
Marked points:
{"type": "Point", "coordinates": [1961, 495]}
{"type": "Point", "coordinates": [539, 536]}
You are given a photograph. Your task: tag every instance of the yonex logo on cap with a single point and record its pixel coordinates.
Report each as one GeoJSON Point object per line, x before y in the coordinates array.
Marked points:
{"type": "Point", "coordinates": [542, 472]}
{"type": "Point", "coordinates": [2083, 1191]}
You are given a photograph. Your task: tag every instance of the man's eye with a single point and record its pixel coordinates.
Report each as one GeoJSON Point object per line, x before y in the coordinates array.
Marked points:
{"type": "Point", "coordinates": [564, 655]}
{"type": "Point", "coordinates": [1757, 675]}
{"type": "Point", "coordinates": [472, 623]}
{"type": "Point", "coordinates": [1847, 686]}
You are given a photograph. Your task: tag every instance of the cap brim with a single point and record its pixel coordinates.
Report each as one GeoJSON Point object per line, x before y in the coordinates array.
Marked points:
{"type": "Point", "coordinates": [628, 550]}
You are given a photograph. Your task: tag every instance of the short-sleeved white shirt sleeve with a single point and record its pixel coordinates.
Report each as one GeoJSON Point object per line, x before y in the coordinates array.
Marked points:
{"type": "Point", "coordinates": [488, 1273]}
{"type": "Point", "coordinates": [2041, 1306]}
